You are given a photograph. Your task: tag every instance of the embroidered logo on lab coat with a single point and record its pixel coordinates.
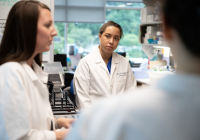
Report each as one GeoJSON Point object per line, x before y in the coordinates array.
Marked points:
{"type": "Point", "coordinates": [122, 73]}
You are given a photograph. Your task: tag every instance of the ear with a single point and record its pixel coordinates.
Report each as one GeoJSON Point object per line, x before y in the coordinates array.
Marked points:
{"type": "Point", "coordinates": [99, 36]}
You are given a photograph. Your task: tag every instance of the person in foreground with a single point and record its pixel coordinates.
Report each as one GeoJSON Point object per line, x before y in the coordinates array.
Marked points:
{"type": "Point", "coordinates": [167, 111]}
{"type": "Point", "coordinates": [25, 111]}
{"type": "Point", "coordinates": [103, 73]}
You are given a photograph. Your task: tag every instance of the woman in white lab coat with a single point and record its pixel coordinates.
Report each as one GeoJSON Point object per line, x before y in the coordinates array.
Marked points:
{"type": "Point", "coordinates": [24, 99]}
{"type": "Point", "coordinates": [103, 73]}
{"type": "Point", "coordinates": [169, 110]}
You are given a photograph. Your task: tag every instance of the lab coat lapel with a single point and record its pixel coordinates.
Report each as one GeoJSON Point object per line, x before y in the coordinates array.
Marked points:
{"type": "Point", "coordinates": [115, 61]}
{"type": "Point", "coordinates": [103, 66]}
{"type": "Point", "coordinates": [29, 71]}
{"type": "Point", "coordinates": [99, 60]}
{"type": "Point", "coordinates": [37, 75]}
{"type": "Point", "coordinates": [43, 76]}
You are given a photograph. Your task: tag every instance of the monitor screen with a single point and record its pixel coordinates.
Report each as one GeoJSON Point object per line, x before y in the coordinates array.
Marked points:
{"type": "Point", "coordinates": [61, 58]}
{"type": "Point", "coordinates": [122, 53]}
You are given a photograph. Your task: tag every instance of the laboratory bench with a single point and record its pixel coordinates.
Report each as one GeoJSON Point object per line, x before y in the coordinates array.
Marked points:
{"type": "Point", "coordinates": [148, 77]}
{"type": "Point", "coordinates": [143, 76]}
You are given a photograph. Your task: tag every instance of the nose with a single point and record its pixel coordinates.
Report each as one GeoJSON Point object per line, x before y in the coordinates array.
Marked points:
{"type": "Point", "coordinates": [54, 32]}
{"type": "Point", "coordinates": [111, 40]}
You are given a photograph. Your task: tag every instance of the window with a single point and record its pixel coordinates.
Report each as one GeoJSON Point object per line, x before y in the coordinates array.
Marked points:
{"type": "Point", "coordinates": [124, 4]}
{"type": "Point", "coordinates": [84, 35]}
{"type": "Point", "coordinates": [128, 17]}
{"type": "Point", "coordinates": [59, 40]}
{"type": "Point", "coordinates": [81, 38]}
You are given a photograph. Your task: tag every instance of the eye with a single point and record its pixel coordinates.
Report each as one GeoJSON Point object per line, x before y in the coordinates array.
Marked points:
{"type": "Point", "coordinates": [107, 36]}
{"type": "Point", "coordinates": [116, 38]}
{"type": "Point", "coordinates": [47, 25]}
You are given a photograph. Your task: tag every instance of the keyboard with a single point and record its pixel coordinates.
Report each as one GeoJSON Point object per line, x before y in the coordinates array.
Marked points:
{"type": "Point", "coordinates": [54, 78]}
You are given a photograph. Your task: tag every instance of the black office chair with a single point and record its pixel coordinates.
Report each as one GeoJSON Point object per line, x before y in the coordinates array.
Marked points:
{"type": "Point", "coordinates": [122, 53]}
{"type": "Point", "coordinates": [68, 78]}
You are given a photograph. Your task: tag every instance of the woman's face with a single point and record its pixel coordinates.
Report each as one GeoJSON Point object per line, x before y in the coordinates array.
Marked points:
{"type": "Point", "coordinates": [110, 38]}
{"type": "Point", "coordinates": [45, 31]}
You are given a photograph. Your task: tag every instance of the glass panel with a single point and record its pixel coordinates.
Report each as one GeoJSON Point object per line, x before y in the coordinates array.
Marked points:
{"type": "Point", "coordinates": [125, 4]}
{"type": "Point", "coordinates": [82, 38]}
{"type": "Point", "coordinates": [130, 22]}
{"type": "Point", "coordinates": [84, 35]}
{"type": "Point", "coordinates": [59, 40]}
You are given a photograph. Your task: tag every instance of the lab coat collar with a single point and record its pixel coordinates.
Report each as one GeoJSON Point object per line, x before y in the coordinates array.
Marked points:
{"type": "Point", "coordinates": [116, 58]}
{"type": "Point", "coordinates": [98, 58]}
{"type": "Point", "coordinates": [37, 74]}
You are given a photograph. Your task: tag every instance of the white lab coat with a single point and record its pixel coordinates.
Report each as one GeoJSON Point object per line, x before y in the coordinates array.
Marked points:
{"type": "Point", "coordinates": [169, 111]}
{"type": "Point", "coordinates": [92, 80]}
{"type": "Point", "coordinates": [24, 102]}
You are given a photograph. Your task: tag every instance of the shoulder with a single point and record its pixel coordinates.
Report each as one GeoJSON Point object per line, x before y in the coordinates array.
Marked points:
{"type": "Point", "coordinates": [11, 70]}
{"type": "Point", "coordinates": [123, 114]}
{"type": "Point", "coordinates": [11, 67]}
{"type": "Point", "coordinates": [121, 60]}
{"type": "Point", "coordinates": [88, 58]}
{"type": "Point", "coordinates": [132, 101]}
{"type": "Point", "coordinates": [83, 64]}
{"type": "Point", "coordinates": [131, 106]}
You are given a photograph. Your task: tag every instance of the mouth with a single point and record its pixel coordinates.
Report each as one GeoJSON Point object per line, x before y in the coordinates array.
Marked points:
{"type": "Point", "coordinates": [110, 48]}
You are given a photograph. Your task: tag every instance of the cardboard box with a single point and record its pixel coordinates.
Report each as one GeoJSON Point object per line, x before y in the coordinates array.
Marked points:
{"type": "Point", "coordinates": [153, 64]}
{"type": "Point", "coordinates": [160, 38]}
{"type": "Point", "coordinates": [160, 42]}
{"type": "Point", "coordinates": [149, 10]}
{"type": "Point", "coordinates": [149, 36]}
{"type": "Point", "coordinates": [150, 18]}
{"type": "Point", "coordinates": [146, 41]}
{"type": "Point", "coordinates": [160, 33]}
{"type": "Point", "coordinates": [151, 30]}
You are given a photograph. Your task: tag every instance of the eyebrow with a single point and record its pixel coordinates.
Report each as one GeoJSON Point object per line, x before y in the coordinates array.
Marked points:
{"type": "Point", "coordinates": [114, 35]}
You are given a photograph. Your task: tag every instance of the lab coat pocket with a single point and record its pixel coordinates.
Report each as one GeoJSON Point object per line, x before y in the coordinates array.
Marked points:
{"type": "Point", "coordinates": [121, 81]}
{"type": "Point", "coordinates": [120, 78]}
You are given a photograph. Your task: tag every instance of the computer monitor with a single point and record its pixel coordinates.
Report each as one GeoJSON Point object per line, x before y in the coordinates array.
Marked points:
{"type": "Point", "coordinates": [61, 58]}
{"type": "Point", "coordinates": [122, 53]}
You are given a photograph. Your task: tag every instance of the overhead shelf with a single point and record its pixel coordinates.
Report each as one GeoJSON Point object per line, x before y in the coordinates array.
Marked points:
{"type": "Point", "coordinates": [144, 25]}
{"type": "Point", "coordinates": [143, 29]}
{"type": "Point", "coordinates": [157, 45]}
{"type": "Point", "coordinates": [151, 23]}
